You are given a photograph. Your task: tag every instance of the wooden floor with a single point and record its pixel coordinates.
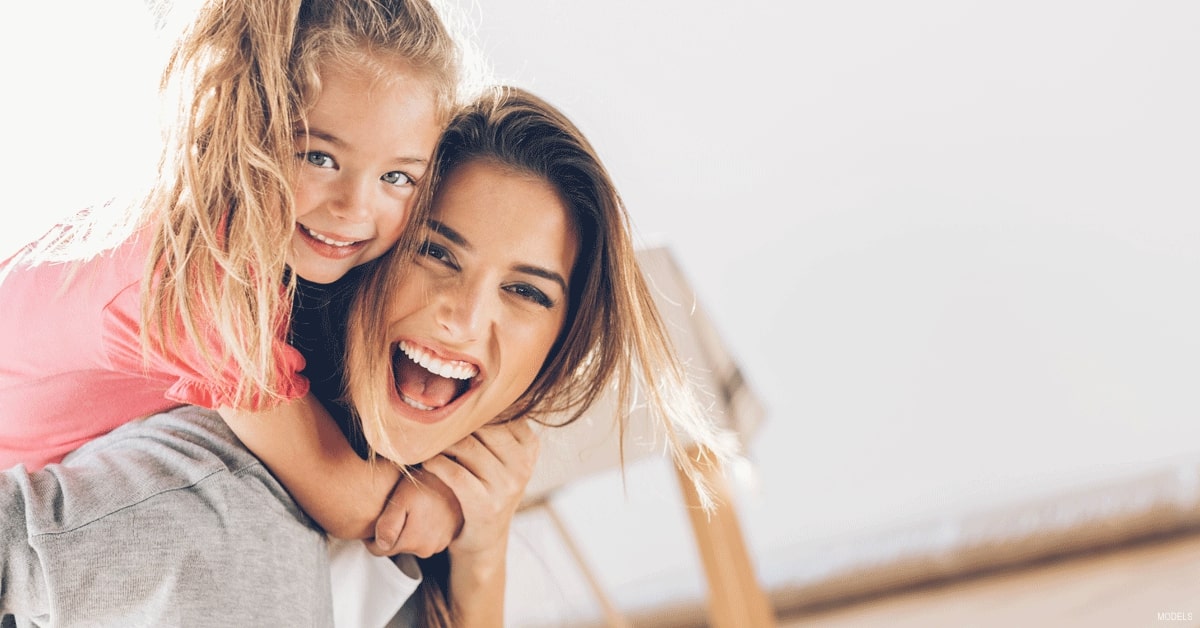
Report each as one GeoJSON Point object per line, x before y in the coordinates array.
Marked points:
{"type": "Point", "coordinates": [1149, 584]}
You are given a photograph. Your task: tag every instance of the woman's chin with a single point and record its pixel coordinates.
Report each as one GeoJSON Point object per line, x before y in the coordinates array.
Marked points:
{"type": "Point", "coordinates": [409, 443]}
{"type": "Point", "coordinates": [401, 452]}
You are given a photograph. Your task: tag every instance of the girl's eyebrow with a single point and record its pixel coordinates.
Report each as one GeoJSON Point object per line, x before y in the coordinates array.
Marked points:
{"type": "Point", "coordinates": [458, 239]}
{"type": "Point", "coordinates": [319, 134]}
{"type": "Point", "coordinates": [340, 143]}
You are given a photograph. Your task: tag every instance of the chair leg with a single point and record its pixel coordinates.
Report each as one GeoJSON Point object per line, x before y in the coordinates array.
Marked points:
{"type": "Point", "coordinates": [736, 599]}
{"type": "Point", "coordinates": [612, 617]}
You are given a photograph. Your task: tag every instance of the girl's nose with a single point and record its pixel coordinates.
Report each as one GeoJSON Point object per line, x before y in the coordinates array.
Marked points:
{"type": "Point", "coordinates": [352, 201]}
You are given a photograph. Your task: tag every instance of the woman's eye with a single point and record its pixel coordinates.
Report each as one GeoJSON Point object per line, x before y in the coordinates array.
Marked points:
{"type": "Point", "coordinates": [396, 177]}
{"type": "Point", "coordinates": [529, 293]}
{"type": "Point", "coordinates": [318, 159]}
{"type": "Point", "coordinates": [436, 252]}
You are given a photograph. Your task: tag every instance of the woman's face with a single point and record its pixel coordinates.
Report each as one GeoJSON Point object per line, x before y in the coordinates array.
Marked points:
{"type": "Point", "coordinates": [476, 316]}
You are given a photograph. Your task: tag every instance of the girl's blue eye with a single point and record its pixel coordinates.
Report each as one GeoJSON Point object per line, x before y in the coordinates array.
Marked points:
{"type": "Point", "coordinates": [396, 177]}
{"type": "Point", "coordinates": [318, 159]}
{"type": "Point", "coordinates": [530, 293]}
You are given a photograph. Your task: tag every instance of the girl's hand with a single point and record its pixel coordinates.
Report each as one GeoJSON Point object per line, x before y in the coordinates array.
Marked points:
{"type": "Point", "coordinates": [488, 472]}
{"type": "Point", "coordinates": [421, 518]}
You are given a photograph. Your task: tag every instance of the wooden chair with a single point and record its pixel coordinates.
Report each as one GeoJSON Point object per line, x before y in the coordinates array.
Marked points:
{"type": "Point", "coordinates": [736, 599]}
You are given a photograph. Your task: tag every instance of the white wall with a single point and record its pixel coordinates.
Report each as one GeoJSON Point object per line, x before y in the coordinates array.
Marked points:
{"type": "Point", "coordinates": [79, 108]}
{"type": "Point", "coordinates": [953, 244]}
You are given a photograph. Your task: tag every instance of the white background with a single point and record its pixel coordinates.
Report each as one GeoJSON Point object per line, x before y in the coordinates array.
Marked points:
{"type": "Point", "coordinates": [953, 244]}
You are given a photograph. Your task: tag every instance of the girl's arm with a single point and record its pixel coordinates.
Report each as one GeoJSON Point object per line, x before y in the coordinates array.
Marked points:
{"type": "Point", "coordinates": [421, 518]}
{"type": "Point", "coordinates": [304, 448]}
{"type": "Point", "coordinates": [488, 472]}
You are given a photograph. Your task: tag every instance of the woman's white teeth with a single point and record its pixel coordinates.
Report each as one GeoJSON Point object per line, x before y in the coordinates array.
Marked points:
{"type": "Point", "coordinates": [320, 238]}
{"type": "Point", "coordinates": [452, 369]}
{"type": "Point", "coordinates": [414, 403]}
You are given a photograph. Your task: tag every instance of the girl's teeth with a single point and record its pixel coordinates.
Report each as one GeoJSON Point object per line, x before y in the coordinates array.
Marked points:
{"type": "Point", "coordinates": [321, 238]}
{"type": "Point", "coordinates": [453, 369]}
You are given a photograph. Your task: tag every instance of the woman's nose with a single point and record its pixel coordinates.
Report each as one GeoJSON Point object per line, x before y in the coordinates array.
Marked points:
{"type": "Point", "coordinates": [463, 311]}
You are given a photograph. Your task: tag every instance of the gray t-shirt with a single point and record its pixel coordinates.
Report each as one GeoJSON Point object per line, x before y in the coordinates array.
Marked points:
{"type": "Point", "coordinates": [168, 521]}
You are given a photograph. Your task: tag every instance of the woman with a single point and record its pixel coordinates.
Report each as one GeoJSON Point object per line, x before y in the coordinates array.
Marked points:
{"type": "Point", "coordinates": [524, 302]}
{"type": "Point", "coordinates": [433, 363]}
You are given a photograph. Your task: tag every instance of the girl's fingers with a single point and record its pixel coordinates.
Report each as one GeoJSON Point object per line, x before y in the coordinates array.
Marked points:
{"type": "Point", "coordinates": [387, 534]}
{"type": "Point", "coordinates": [390, 523]}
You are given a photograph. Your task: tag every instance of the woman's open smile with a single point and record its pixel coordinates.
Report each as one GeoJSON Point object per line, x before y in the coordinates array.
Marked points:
{"type": "Point", "coordinates": [427, 381]}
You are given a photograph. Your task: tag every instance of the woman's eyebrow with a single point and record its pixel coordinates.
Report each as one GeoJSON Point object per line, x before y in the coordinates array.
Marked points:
{"type": "Point", "coordinates": [544, 273]}
{"type": "Point", "coordinates": [449, 234]}
{"type": "Point", "coordinates": [528, 269]}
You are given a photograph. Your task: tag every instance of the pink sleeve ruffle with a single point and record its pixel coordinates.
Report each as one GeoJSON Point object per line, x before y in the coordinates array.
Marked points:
{"type": "Point", "coordinates": [193, 390]}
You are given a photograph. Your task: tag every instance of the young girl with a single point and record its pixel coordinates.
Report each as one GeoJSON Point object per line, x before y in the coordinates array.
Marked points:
{"type": "Point", "coordinates": [307, 128]}
{"type": "Point", "coordinates": [525, 302]}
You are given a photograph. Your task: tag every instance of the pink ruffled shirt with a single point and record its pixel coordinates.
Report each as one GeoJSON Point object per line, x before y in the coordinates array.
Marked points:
{"type": "Point", "coordinates": [71, 362]}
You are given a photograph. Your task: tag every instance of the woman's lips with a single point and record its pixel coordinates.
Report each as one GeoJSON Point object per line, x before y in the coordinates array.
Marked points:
{"type": "Point", "coordinates": [437, 384]}
{"type": "Point", "coordinates": [431, 361]}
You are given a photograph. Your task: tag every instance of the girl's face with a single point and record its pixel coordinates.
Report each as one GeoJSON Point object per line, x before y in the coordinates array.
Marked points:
{"type": "Point", "coordinates": [477, 314]}
{"type": "Point", "coordinates": [367, 143]}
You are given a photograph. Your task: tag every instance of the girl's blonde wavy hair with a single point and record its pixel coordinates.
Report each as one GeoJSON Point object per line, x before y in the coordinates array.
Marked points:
{"type": "Point", "coordinates": [221, 217]}
{"type": "Point", "coordinates": [613, 335]}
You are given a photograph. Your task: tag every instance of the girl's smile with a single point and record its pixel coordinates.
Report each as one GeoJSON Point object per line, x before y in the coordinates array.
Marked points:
{"type": "Point", "coordinates": [330, 247]}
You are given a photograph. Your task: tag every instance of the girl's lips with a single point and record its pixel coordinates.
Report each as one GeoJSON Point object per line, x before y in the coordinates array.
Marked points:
{"type": "Point", "coordinates": [328, 246]}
